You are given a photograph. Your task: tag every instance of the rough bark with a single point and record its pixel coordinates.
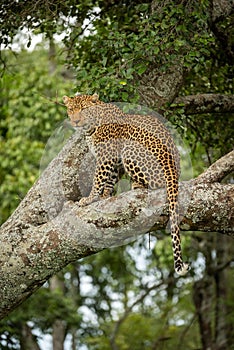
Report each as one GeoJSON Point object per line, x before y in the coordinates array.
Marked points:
{"type": "Point", "coordinates": [157, 89]}
{"type": "Point", "coordinates": [49, 230]}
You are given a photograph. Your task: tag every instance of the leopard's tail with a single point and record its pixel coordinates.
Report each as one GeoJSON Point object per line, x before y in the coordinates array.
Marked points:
{"type": "Point", "coordinates": [171, 177]}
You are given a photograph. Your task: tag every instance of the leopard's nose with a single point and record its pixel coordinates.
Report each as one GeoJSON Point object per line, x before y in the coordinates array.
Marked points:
{"type": "Point", "coordinates": [75, 124]}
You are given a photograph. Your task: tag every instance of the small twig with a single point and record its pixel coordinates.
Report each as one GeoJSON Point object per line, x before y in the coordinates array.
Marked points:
{"type": "Point", "coordinates": [128, 311]}
{"type": "Point", "coordinates": [186, 329]}
{"type": "Point", "coordinates": [50, 99]}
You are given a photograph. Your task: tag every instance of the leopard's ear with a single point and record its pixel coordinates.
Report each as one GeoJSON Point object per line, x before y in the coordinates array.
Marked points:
{"type": "Point", "coordinates": [66, 100]}
{"type": "Point", "coordinates": [95, 97]}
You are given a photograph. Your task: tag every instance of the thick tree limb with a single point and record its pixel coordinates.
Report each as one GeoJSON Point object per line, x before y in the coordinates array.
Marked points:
{"type": "Point", "coordinates": [205, 103]}
{"type": "Point", "coordinates": [217, 171]}
{"type": "Point", "coordinates": [49, 230]}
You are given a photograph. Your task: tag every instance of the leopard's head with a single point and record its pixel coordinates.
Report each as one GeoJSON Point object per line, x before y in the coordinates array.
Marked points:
{"type": "Point", "coordinates": [76, 105]}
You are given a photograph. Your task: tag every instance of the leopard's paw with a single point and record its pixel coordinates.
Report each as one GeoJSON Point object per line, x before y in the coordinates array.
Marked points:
{"type": "Point", "coordinates": [87, 200]}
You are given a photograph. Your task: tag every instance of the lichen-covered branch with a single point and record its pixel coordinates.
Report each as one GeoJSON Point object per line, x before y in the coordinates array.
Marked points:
{"type": "Point", "coordinates": [49, 230]}
{"type": "Point", "coordinates": [217, 171]}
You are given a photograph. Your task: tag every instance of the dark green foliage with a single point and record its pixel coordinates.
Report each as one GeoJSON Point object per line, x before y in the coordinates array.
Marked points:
{"type": "Point", "coordinates": [29, 114]}
{"type": "Point", "coordinates": [120, 48]}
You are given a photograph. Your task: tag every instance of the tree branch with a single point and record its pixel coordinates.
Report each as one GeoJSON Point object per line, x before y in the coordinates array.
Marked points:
{"type": "Point", "coordinates": [205, 103]}
{"type": "Point", "coordinates": [217, 171]}
{"type": "Point", "coordinates": [49, 230]}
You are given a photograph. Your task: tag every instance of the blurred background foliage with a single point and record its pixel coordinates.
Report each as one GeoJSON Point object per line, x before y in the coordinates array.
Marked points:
{"type": "Point", "coordinates": [125, 298]}
{"type": "Point", "coordinates": [29, 114]}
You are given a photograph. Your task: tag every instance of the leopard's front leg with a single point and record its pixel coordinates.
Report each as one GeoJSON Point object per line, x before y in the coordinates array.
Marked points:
{"type": "Point", "coordinates": [103, 175]}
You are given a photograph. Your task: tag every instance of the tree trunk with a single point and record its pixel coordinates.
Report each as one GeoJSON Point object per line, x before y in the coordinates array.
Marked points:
{"type": "Point", "coordinates": [202, 296]}
{"type": "Point", "coordinates": [59, 327]}
{"type": "Point", "coordinates": [220, 276]}
{"type": "Point", "coordinates": [28, 340]}
{"type": "Point", "coordinates": [49, 230]}
{"type": "Point", "coordinates": [210, 295]}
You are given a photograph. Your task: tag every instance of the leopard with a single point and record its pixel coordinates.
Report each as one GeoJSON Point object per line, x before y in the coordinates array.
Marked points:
{"type": "Point", "coordinates": [139, 144]}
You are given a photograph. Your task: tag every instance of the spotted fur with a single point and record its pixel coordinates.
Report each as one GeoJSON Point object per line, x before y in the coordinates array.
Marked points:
{"type": "Point", "coordinates": [140, 144]}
